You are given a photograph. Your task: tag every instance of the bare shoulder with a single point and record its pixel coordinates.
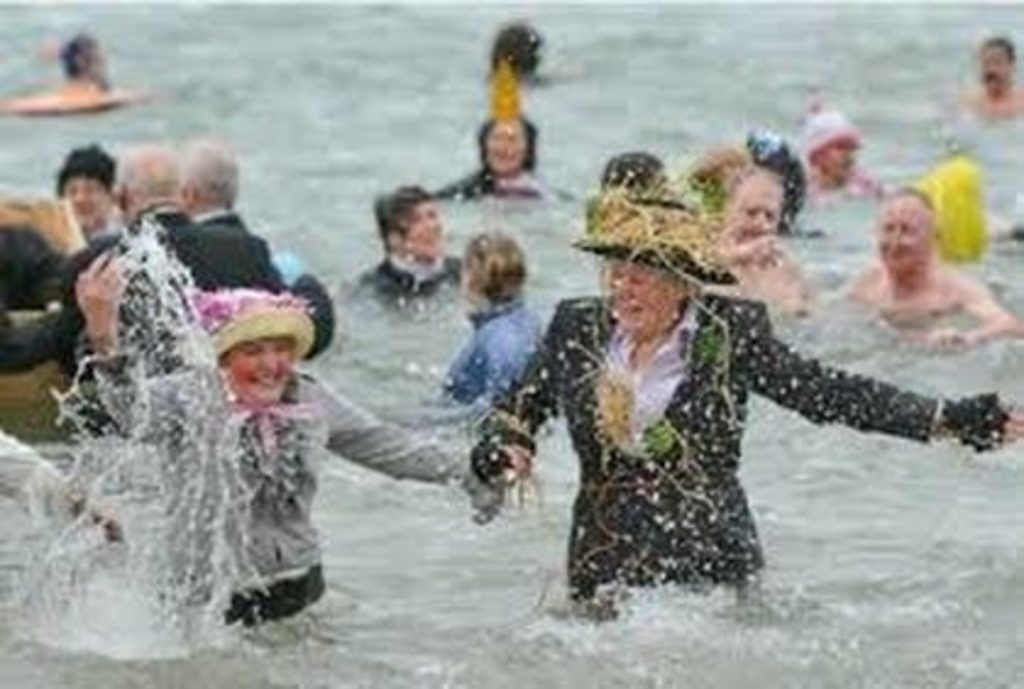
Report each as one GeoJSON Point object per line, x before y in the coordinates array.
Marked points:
{"type": "Point", "coordinates": [965, 289]}
{"type": "Point", "coordinates": [867, 286]}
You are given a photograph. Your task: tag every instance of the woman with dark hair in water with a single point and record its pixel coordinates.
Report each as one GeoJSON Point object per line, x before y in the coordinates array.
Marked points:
{"type": "Point", "coordinates": [507, 142]}
{"type": "Point", "coordinates": [508, 156]}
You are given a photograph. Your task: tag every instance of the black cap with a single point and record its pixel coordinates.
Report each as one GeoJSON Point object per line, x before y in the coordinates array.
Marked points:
{"type": "Point", "coordinates": [92, 162]}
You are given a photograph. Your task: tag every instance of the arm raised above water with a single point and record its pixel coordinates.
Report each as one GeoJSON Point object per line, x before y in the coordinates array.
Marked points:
{"type": "Point", "coordinates": [827, 395]}
{"type": "Point", "coordinates": [363, 438]}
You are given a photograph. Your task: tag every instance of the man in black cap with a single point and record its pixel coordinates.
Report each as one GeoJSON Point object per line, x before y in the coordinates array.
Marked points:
{"type": "Point", "coordinates": [86, 182]}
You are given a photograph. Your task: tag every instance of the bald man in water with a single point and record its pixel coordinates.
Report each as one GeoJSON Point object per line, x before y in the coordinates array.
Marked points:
{"type": "Point", "coordinates": [911, 288]}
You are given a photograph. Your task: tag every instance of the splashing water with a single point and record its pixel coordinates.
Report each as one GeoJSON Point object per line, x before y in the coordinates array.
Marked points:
{"type": "Point", "coordinates": [166, 460]}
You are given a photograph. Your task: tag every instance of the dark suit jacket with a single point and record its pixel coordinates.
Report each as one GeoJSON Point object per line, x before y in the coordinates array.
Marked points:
{"type": "Point", "coordinates": [676, 511]}
{"type": "Point", "coordinates": [395, 287]}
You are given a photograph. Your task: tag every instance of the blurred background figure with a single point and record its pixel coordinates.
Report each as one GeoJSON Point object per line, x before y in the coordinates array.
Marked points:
{"type": "Point", "coordinates": [519, 44]}
{"type": "Point", "coordinates": [505, 331]}
{"type": "Point", "coordinates": [997, 95]}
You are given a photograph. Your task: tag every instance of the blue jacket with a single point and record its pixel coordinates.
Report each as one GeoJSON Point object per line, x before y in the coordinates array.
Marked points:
{"type": "Point", "coordinates": [503, 339]}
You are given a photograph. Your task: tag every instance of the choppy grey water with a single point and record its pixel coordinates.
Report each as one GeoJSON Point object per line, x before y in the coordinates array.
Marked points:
{"type": "Point", "coordinates": [890, 564]}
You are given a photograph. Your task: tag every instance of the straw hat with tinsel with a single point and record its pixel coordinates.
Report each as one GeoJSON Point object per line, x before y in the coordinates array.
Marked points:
{"type": "Point", "coordinates": [662, 233]}
{"type": "Point", "coordinates": [235, 316]}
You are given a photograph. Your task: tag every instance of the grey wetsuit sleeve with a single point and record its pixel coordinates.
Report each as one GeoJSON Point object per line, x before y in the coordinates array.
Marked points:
{"type": "Point", "coordinates": [363, 438]}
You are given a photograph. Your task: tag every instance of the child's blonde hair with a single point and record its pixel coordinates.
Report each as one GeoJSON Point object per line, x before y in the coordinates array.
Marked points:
{"type": "Point", "coordinates": [495, 266]}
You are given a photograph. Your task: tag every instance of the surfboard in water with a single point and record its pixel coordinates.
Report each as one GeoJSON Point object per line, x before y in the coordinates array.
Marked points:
{"type": "Point", "coordinates": [72, 99]}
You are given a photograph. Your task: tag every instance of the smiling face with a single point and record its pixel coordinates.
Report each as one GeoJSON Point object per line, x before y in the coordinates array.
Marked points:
{"type": "Point", "coordinates": [505, 148]}
{"type": "Point", "coordinates": [258, 371]}
{"type": "Point", "coordinates": [423, 242]}
{"type": "Point", "coordinates": [754, 207]}
{"type": "Point", "coordinates": [645, 301]}
{"type": "Point", "coordinates": [905, 233]}
{"type": "Point", "coordinates": [91, 202]}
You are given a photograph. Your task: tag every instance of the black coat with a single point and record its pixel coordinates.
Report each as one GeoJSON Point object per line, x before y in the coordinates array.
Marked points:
{"type": "Point", "coordinates": [395, 287]}
{"type": "Point", "coordinates": [675, 511]}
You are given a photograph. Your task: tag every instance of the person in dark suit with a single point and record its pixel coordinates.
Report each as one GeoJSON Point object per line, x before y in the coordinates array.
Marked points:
{"type": "Point", "coordinates": [653, 381]}
{"type": "Point", "coordinates": [147, 191]}
{"type": "Point", "coordinates": [415, 267]}
{"type": "Point", "coordinates": [209, 192]}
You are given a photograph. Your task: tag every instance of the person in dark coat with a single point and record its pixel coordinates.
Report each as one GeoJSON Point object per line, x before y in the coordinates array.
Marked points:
{"type": "Point", "coordinates": [147, 191]}
{"type": "Point", "coordinates": [653, 381]}
{"type": "Point", "coordinates": [415, 266]}
{"type": "Point", "coordinates": [508, 158]}
{"type": "Point", "coordinates": [30, 273]}
{"type": "Point", "coordinates": [209, 193]}
{"type": "Point", "coordinates": [29, 270]}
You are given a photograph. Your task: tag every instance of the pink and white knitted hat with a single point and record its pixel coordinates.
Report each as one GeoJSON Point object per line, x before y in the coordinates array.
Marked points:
{"type": "Point", "coordinates": [234, 316]}
{"type": "Point", "coordinates": [824, 127]}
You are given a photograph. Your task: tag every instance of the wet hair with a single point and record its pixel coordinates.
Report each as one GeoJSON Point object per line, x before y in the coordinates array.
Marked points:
{"type": "Point", "coordinates": [636, 171]}
{"type": "Point", "coordinates": [530, 157]}
{"type": "Point", "coordinates": [770, 151]}
{"type": "Point", "coordinates": [519, 44]}
{"type": "Point", "coordinates": [91, 162]}
{"type": "Point", "coordinates": [1001, 43]}
{"type": "Point", "coordinates": [77, 54]}
{"type": "Point", "coordinates": [495, 266]}
{"type": "Point", "coordinates": [210, 167]}
{"type": "Point", "coordinates": [392, 210]}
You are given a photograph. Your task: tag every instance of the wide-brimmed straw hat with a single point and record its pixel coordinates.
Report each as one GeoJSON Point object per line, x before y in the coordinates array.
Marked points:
{"type": "Point", "coordinates": [659, 232]}
{"type": "Point", "coordinates": [235, 316]}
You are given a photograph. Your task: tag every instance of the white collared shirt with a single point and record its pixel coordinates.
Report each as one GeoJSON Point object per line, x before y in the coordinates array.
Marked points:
{"type": "Point", "coordinates": [654, 383]}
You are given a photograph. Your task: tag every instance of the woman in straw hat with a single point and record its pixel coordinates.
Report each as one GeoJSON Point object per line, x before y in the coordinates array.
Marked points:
{"type": "Point", "coordinates": [653, 381]}
{"type": "Point", "coordinates": [259, 408]}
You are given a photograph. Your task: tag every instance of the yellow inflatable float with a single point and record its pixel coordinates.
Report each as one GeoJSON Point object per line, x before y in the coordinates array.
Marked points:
{"type": "Point", "coordinates": [955, 190]}
{"type": "Point", "coordinates": [28, 409]}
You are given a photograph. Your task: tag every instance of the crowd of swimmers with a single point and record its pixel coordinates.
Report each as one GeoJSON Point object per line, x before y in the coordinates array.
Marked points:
{"type": "Point", "coordinates": [693, 266]}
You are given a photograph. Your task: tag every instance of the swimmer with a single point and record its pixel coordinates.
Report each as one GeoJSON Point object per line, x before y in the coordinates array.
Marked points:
{"type": "Point", "coordinates": [279, 418]}
{"type": "Point", "coordinates": [86, 88]}
{"type": "Point", "coordinates": [997, 96]}
{"type": "Point", "coordinates": [520, 45]}
{"type": "Point", "coordinates": [749, 244]}
{"type": "Point", "coordinates": [910, 288]}
{"type": "Point", "coordinates": [831, 144]}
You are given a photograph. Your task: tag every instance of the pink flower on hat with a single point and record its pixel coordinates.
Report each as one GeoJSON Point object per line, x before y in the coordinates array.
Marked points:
{"type": "Point", "coordinates": [234, 316]}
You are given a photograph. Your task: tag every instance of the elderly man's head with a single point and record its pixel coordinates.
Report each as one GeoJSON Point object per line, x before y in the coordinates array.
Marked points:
{"type": "Point", "coordinates": [754, 205]}
{"type": "Point", "coordinates": [209, 177]}
{"type": "Point", "coordinates": [906, 230]}
{"type": "Point", "coordinates": [147, 176]}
